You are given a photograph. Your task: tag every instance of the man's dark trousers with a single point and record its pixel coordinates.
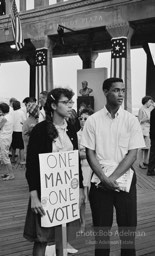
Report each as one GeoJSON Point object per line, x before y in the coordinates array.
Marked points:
{"type": "Point", "coordinates": [102, 203]}
{"type": "Point", "coordinates": [151, 165]}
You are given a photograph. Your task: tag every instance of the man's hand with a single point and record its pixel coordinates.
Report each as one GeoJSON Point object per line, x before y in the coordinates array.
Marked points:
{"type": "Point", "coordinates": [110, 184]}
{"type": "Point", "coordinates": [36, 204]}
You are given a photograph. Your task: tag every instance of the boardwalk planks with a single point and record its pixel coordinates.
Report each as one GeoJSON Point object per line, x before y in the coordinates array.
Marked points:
{"type": "Point", "coordinates": [13, 204]}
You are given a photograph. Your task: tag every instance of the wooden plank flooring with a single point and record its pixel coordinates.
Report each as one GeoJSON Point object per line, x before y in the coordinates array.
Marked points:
{"type": "Point", "coordinates": [13, 204]}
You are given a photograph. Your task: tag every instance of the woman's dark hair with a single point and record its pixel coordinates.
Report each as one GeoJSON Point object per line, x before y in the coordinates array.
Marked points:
{"type": "Point", "coordinates": [16, 105]}
{"type": "Point", "coordinates": [53, 97]}
{"type": "Point", "coordinates": [4, 107]}
{"type": "Point", "coordinates": [146, 99]}
{"type": "Point", "coordinates": [44, 93]}
{"type": "Point", "coordinates": [26, 100]}
{"type": "Point", "coordinates": [88, 111]}
{"type": "Point", "coordinates": [108, 82]}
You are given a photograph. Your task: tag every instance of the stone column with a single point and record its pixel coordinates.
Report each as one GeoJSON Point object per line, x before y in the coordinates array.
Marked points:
{"type": "Point", "coordinates": [46, 43]}
{"type": "Point", "coordinates": [31, 61]}
{"type": "Point", "coordinates": [50, 46]}
{"type": "Point", "coordinates": [117, 31]}
{"type": "Point", "coordinates": [88, 58]}
{"type": "Point", "coordinates": [150, 73]}
{"type": "Point", "coordinates": [32, 80]}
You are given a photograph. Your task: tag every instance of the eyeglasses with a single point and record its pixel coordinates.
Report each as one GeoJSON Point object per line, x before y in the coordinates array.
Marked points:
{"type": "Point", "coordinates": [82, 118]}
{"type": "Point", "coordinates": [66, 102]}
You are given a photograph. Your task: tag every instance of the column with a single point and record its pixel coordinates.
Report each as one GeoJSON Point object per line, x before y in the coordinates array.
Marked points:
{"type": "Point", "coordinates": [150, 73]}
{"type": "Point", "coordinates": [88, 58]}
{"type": "Point", "coordinates": [31, 61]}
{"type": "Point", "coordinates": [22, 5]}
{"type": "Point", "coordinates": [118, 31]}
{"type": "Point", "coordinates": [44, 68]}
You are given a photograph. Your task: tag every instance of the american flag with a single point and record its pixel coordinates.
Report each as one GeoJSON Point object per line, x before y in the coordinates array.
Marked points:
{"type": "Point", "coordinates": [41, 71]}
{"type": "Point", "coordinates": [16, 27]}
{"type": "Point", "coordinates": [118, 57]}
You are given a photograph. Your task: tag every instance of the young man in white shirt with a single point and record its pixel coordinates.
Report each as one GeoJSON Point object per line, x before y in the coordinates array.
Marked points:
{"type": "Point", "coordinates": [112, 137]}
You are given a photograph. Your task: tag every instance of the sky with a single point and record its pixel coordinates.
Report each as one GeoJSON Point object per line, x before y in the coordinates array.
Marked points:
{"type": "Point", "coordinates": [14, 76]}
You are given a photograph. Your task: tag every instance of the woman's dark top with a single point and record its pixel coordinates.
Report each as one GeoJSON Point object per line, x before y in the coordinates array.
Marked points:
{"type": "Point", "coordinates": [40, 142]}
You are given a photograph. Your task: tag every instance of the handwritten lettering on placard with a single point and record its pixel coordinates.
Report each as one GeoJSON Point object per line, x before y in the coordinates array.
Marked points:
{"type": "Point", "coordinates": [59, 187]}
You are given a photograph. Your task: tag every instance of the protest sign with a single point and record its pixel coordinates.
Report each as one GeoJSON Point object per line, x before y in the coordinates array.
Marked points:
{"type": "Point", "coordinates": [59, 187]}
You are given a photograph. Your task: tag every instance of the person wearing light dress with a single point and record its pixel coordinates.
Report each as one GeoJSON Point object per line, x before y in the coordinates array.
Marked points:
{"type": "Point", "coordinates": [86, 170]}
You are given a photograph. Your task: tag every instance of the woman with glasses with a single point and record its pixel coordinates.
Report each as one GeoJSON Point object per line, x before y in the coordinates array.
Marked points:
{"type": "Point", "coordinates": [54, 134]}
{"type": "Point", "coordinates": [86, 170]}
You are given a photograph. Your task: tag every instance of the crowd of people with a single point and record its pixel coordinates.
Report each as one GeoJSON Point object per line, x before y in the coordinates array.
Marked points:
{"type": "Point", "coordinates": [146, 119]}
{"type": "Point", "coordinates": [16, 124]}
{"type": "Point", "coordinates": [108, 142]}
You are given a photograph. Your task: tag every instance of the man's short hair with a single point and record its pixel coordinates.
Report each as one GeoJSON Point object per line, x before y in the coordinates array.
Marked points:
{"type": "Point", "coordinates": [108, 82]}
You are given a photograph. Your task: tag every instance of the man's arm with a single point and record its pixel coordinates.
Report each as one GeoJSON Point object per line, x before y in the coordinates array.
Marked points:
{"type": "Point", "coordinates": [125, 164]}
{"type": "Point", "coordinates": [109, 183]}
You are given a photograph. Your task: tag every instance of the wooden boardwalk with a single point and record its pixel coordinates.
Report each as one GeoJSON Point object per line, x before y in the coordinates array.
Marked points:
{"type": "Point", "coordinates": [13, 204]}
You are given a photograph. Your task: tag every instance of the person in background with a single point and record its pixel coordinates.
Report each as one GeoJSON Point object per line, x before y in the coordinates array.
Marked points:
{"type": "Point", "coordinates": [25, 102]}
{"type": "Point", "coordinates": [144, 119]}
{"type": "Point", "coordinates": [29, 99]}
{"type": "Point", "coordinates": [86, 170]}
{"type": "Point", "coordinates": [151, 165]}
{"type": "Point", "coordinates": [54, 134]}
{"type": "Point", "coordinates": [31, 121]}
{"type": "Point", "coordinates": [112, 137]}
{"type": "Point", "coordinates": [17, 140]}
{"type": "Point", "coordinates": [42, 101]}
{"type": "Point", "coordinates": [6, 130]}
{"type": "Point", "coordinates": [11, 102]}
{"type": "Point", "coordinates": [11, 113]}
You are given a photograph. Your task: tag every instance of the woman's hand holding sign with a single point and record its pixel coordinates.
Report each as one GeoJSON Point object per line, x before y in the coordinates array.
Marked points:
{"type": "Point", "coordinates": [36, 204]}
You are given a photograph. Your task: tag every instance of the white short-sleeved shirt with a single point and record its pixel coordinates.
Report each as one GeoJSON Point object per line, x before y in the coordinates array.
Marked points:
{"type": "Point", "coordinates": [110, 138]}
{"type": "Point", "coordinates": [18, 120]}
